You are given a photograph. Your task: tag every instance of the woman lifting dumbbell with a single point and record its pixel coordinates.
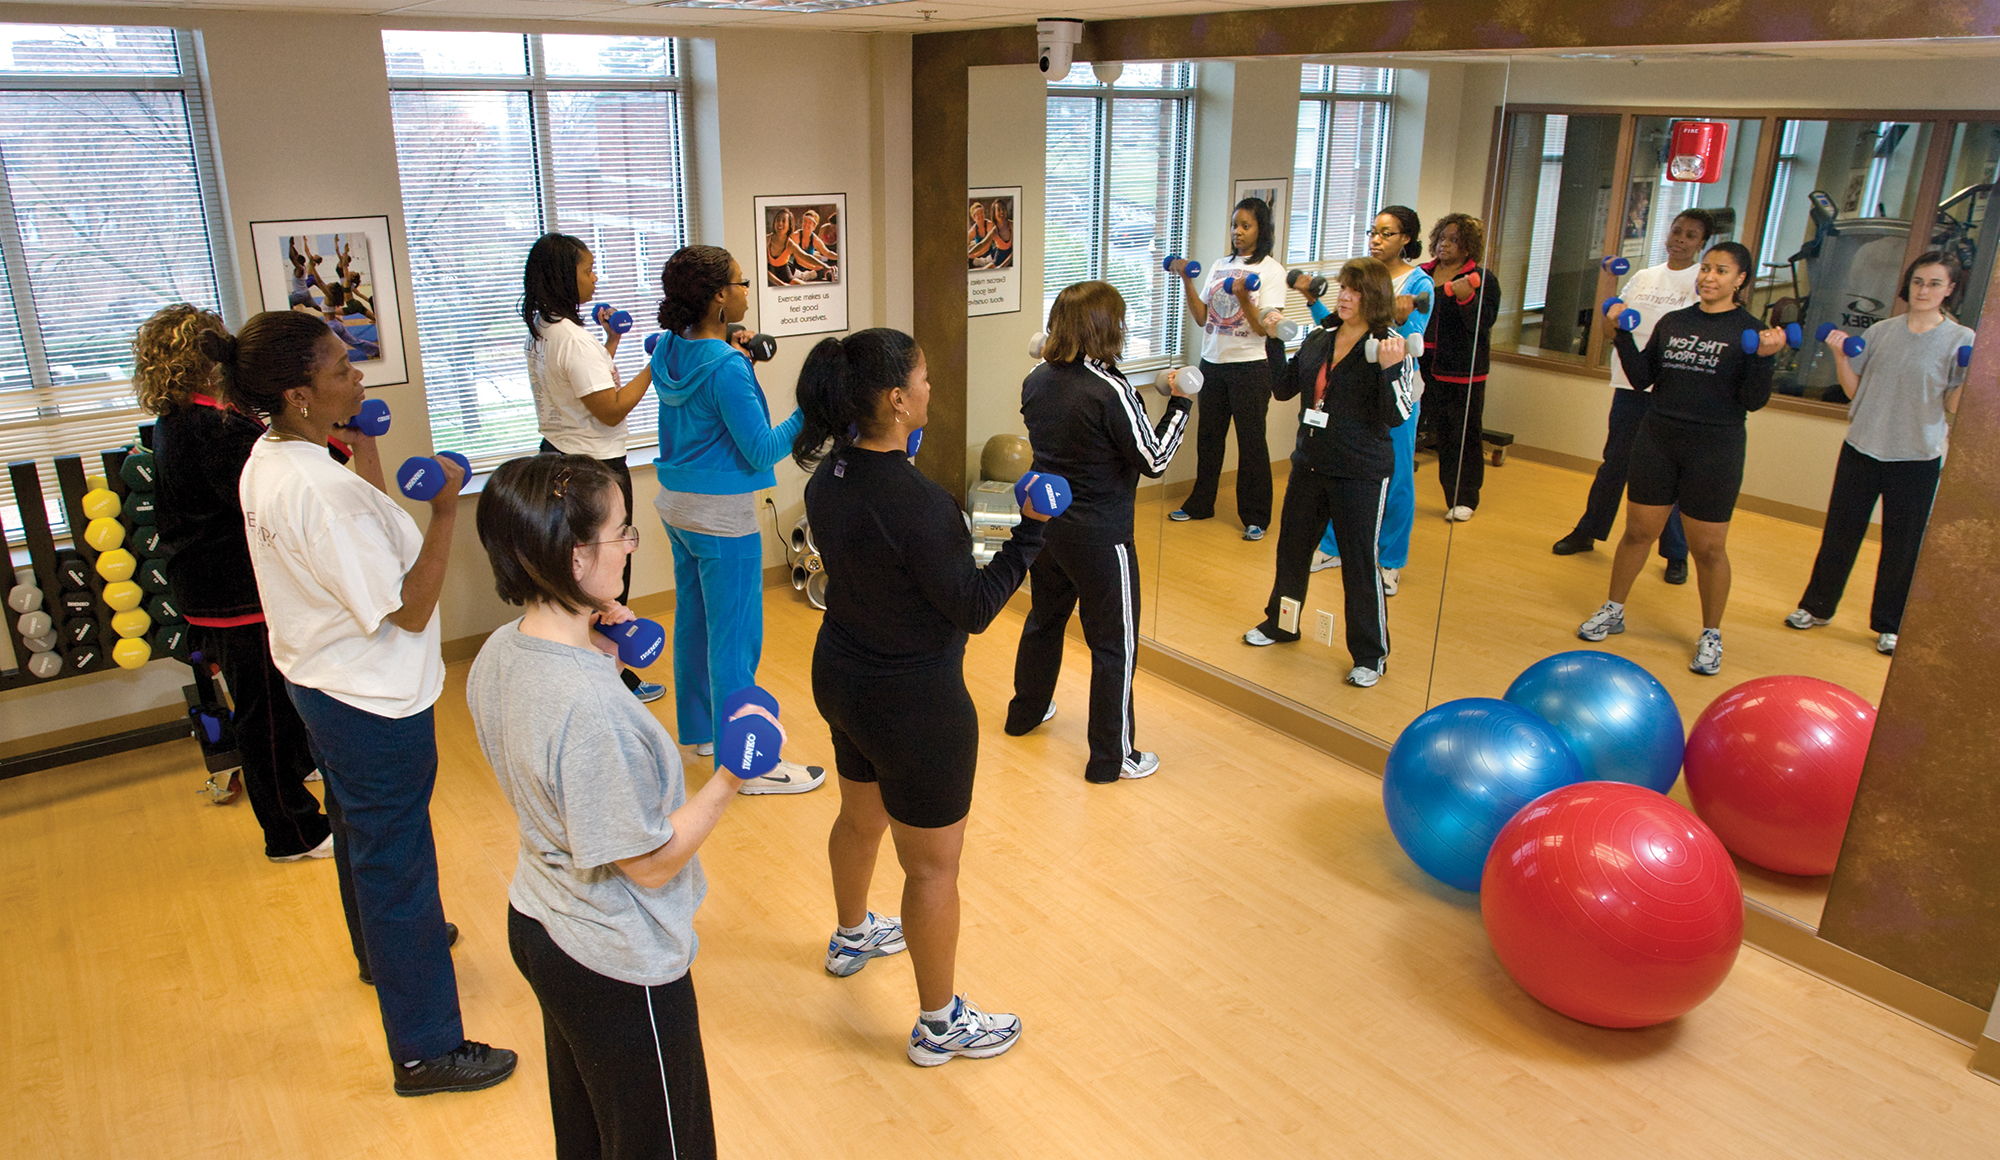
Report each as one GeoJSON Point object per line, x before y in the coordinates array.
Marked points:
{"type": "Point", "coordinates": [888, 669]}
{"type": "Point", "coordinates": [1454, 361]}
{"type": "Point", "coordinates": [1689, 446]}
{"type": "Point", "coordinates": [580, 405]}
{"type": "Point", "coordinates": [1240, 304]}
{"type": "Point", "coordinates": [717, 448]}
{"type": "Point", "coordinates": [200, 444]}
{"type": "Point", "coordinates": [1355, 385]}
{"type": "Point", "coordinates": [1904, 378]}
{"type": "Point", "coordinates": [1088, 425]}
{"type": "Point", "coordinates": [350, 589]}
{"type": "Point", "coordinates": [600, 914]}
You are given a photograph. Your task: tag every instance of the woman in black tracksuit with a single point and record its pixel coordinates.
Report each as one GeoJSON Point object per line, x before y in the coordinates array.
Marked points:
{"type": "Point", "coordinates": [1088, 425]}
{"type": "Point", "coordinates": [889, 669]}
{"type": "Point", "coordinates": [1454, 362]}
{"type": "Point", "coordinates": [1349, 398]}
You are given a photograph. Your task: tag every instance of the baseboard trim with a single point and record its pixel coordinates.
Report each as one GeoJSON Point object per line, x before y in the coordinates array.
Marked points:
{"type": "Point", "coordinates": [92, 730]}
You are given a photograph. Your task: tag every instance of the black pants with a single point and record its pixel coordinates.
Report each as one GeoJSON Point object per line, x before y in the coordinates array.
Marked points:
{"type": "Point", "coordinates": [1461, 414]}
{"type": "Point", "coordinates": [922, 761]}
{"type": "Point", "coordinates": [627, 1077]}
{"type": "Point", "coordinates": [1906, 490]}
{"type": "Point", "coordinates": [270, 738]}
{"type": "Point", "coordinates": [1354, 508]}
{"type": "Point", "coordinates": [1239, 391]}
{"type": "Point", "coordinates": [624, 475]}
{"type": "Point", "coordinates": [1103, 584]}
{"type": "Point", "coordinates": [1628, 407]}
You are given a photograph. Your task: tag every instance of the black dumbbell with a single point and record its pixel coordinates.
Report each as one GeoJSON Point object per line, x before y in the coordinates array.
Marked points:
{"type": "Point", "coordinates": [81, 630]}
{"type": "Point", "coordinates": [71, 571]}
{"type": "Point", "coordinates": [139, 509]}
{"type": "Point", "coordinates": [171, 640]}
{"type": "Point", "coordinates": [760, 347]}
{"type": "Point", "coordinates": [146, 540]}
{"type": "Point", "coordinates": [76, 604]}
{"type": "Point", "coordinates": [152, 576]}
{"type": "Point", "coordinates": [138, 471]}
{"type": "Point", "coordinates": [1315, 284]}
{"type": "Point", "coordinates": [82, 657]}
{"type": "Point", "coordinates": [164, 609]}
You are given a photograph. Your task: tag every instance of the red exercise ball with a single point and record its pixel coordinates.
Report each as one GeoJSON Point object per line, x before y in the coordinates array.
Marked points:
{"type": "Point", "coordinates": [1772, 765]}
{"type": "Point", "coordinates": [1612, 904]}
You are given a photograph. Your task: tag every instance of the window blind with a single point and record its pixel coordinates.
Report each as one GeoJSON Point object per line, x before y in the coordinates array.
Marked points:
{"type": "Point", "coordinates": [1340, 160]}
{"type": "Point", "coordinates": [1548, 189]}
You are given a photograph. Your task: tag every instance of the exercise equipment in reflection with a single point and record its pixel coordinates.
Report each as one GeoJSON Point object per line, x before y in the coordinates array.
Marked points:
{"type": "Point", "coordinates": [1619, 721]}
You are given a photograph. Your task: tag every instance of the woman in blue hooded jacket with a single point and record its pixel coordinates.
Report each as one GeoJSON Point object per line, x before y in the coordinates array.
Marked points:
{"type": "Point", "coordinates": [717, 447]}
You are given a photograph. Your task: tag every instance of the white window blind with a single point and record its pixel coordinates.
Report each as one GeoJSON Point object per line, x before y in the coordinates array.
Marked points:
{"type": "Point", "coordinates": [1548, 190]}
{"type": "Point", "coordinates": [108, 211]}
{"type": "Point", "coordinates": [1116, 195]}
{"type": "Point", "coordinates": [501, 138]}
{"type": "Point", "coordinates": [1340, 162]}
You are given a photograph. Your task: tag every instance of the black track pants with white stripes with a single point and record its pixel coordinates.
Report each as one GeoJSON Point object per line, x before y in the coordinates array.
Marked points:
{"type": "Point", "coordinates": [627, 1077]}
{"type": "Point", "coordinates": [1102, 584]}
{"type": "Point", "coordinates": [1354, 508]}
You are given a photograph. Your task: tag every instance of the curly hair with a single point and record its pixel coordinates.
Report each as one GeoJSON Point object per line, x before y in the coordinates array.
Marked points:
{"type": "Point", "coordinates": [1471, 235]}
{"type": "Point", "coordinates": [168, 365]}
{"type": "Point", "coordinates": [689, 281]}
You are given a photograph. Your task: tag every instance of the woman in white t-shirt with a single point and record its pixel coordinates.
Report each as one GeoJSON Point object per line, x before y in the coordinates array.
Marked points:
{"type": "Point", "coordinates": [350, 592]}
{"type": "Point", "coordinates": [579, 403]}
{"type": "Point", "coordinates": [1236, 379]}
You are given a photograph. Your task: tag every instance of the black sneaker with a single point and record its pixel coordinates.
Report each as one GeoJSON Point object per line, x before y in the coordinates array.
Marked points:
{"type": "Point", "coordinates": [469, 1067]}
{"type": "Point", "coordinates": [1573, 543]}
{"type": "Point", "coordinates": [1677, 571]}
{"type": "Point", "coordinates": [450, 940]}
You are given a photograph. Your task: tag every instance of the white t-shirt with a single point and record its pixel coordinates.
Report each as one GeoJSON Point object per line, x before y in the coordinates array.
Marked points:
{"type": "Point", "coordinates": [564, 365]}
{"type": "Point", "coordinates": [1654, 292]}
{"type": "Point", "coordinates": [330, 552]}
{"type": "Point", "coordinates": [1226, 337]}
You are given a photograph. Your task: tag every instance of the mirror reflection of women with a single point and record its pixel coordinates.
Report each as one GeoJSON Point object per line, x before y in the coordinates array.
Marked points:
{"type": "Point", "coordinates": [1903, 385]}
{"type": "Point", "coordinates": [1689, 449]}
{"type": "Point", "coordinates": [1236, 383]}
{"type": "Point", "coordinates": [1454, 361]}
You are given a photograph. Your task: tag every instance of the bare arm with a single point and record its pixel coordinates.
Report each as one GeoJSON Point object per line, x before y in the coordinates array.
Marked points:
{"type": "Point", "coordinates": [425, 579]}
{"type": "Point", "coordinates": [610, 407]}
{"type": "Point", "coordinates": [1197, 309]}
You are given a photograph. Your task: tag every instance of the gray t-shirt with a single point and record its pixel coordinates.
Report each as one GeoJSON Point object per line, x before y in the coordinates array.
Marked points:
{"type": "Point", "coordinates": [592, 777]}
{"type": "Point", "coordinates": [1898, 414]}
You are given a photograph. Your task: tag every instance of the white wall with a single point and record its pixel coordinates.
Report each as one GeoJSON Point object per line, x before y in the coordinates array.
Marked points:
{"type": "Point", "coordinates": [1009, 109]}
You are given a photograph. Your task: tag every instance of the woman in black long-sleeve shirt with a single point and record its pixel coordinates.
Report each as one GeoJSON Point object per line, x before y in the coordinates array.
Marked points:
{"type": "Point", "coordinates": [1456, 351]}
{"type": "Point", "coordinates": [1689, 449]}
{"type": "Point", "coordinates": [888, 671]}
{"type": "Point", "coordinates": [1349, 398]}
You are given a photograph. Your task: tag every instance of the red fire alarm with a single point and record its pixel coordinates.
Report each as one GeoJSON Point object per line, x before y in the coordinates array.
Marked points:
{"type": "Point", "coordinates": [1696, 154]}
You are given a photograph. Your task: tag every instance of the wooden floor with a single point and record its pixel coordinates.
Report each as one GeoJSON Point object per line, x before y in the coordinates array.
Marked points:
{"type": "Point", "coordinates": [1231, 959]}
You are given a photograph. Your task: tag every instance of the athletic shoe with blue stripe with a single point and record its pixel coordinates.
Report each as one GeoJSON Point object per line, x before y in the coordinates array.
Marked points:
{"type": "Point", "coordinates": [879, 936]}
{"type": "Point", "coordinates": [971, 1033]}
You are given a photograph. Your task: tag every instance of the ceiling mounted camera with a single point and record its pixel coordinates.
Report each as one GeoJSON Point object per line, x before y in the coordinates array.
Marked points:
{"type": "Point", "coordinates": [1055, 43]}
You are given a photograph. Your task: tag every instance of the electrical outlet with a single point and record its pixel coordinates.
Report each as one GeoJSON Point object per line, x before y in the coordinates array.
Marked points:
{"type": "Point", "coordinates": [1288, 614]}
{"type": "Point", "coordinates": [1323, 627]}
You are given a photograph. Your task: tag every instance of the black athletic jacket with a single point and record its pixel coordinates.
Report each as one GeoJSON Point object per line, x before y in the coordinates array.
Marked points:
{"type": "Point", "coordinates": [1088, 425]}
{"type": "Point", "coordinates": [1362, 402]}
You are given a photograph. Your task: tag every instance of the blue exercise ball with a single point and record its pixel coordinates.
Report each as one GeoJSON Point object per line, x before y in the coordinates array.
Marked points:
{"type": "Point", "coordinates": [1460, 772]}
{"type": "Point", "coordinates": [1620, 722]}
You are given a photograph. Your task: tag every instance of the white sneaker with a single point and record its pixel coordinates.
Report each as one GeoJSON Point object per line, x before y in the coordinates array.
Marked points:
{"type": "Point", "coordinates": [1255, 638]}
{"type": "Point", "coordinates": [1363, 678]}
{"type": "Point", "coordinates": [323, 850]}
{"type": "Point", "coordinates": [314, 776]}
{"type": "Point", "coordinates": [1322, 561]}
{"type": "Point", "coordinates": [1050, 715]}
{"type": "Point", "coordinates": [1461, 513]}
{"type": "Point", "coordinates": [788, 777]}
{"type": "Point", "coordinates": [1800, 618]}
{"type": "Point", "coordinates": [1707, 653]}
{"type": "Point", "coordinates": [705, 749]}
{"type": "Point", "coordinates": [1608, 620]}
{"type": "Point", "coordinates": [1886, 644]}
{"type": "Point", "coordinates": [1139, 765]}
{"type": "Point", "coordinates": [879, 936]}
{"type": "Point", "coordinates": [1390, 578]}
{"type": "Point", "coordinates": [972, 1033]}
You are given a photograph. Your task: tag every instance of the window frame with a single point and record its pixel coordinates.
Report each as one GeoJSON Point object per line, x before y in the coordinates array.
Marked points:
{"type": "Point", "coordinates": [1328, 101]}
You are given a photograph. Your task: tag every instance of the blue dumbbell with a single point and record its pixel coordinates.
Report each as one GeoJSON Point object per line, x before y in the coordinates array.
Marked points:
{"type": "Point", "coordinates": [1251, 282]}
{"type": "Point", "coordinates": [1613, 264]}
{"type": "Point", "coordinates": [640, 642]}
{"type": "Point", "coordinates": [1051, 492]}
{"type": "Point", "coordinates": [1189, 269]}
{"type": "Point", "coordinates": [915, 441]}
{"type": "Point", "coordinates": [373, 418]}
{"type": "Point", "coordinates": [749, 744]}
{"type": "Point", "coordinates": [1965, 356]}
{"type": "Point", "coordinates": [422, 477]}
{"type": "Point", "coordinates": [1854, 344]}
{"type": "Point", "coordinates": [652, 340]}
{"type": "Point", "coordinates": [1627, 319]}
{"type": "Point", "coordinates": [1795, 338]}
{"type": "Point", "coordinates": [611, 318]}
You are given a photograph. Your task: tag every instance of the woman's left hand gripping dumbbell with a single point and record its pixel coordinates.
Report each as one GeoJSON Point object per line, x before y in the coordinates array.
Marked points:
{"type": "Point", "coordinates": [435, 481]}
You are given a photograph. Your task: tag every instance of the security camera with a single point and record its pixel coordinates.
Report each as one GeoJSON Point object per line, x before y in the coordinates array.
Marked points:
{"type": "Point", "coordinates": [1055, 44]}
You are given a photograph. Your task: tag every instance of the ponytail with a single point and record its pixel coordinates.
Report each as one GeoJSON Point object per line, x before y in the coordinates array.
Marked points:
{"type": "Point", "coordinates": [274, 352]}
{"type": "Point", "coordinates": [841, 387]}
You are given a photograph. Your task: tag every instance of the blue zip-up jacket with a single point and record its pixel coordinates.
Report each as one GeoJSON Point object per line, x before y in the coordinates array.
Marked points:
{"type": "Point", "coordinates": [716, 436]}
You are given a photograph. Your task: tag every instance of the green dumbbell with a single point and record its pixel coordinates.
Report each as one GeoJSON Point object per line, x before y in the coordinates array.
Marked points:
{"type": "Point", "coordinates": [138, 472]}
{"type": "Point", "coordinates": [171, 640]}
{"type": "Point", "coordinates": [164, 609]}
{"type": "Point", "coordinates": [139, 509]}
{"type": "Point", "coordinates": [146, 541]}
{"type": "Point", "coordinates": [152, 576]}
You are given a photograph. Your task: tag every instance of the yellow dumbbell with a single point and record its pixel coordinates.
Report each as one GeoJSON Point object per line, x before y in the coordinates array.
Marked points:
{"type": "Point", "coordinates": [132, 622]}
{"type": "Point", "coordinates": [95, 483]}
{"type": "Point", "coordinates": [131, 653]}
{"type": "Point", "coordinates": [117, 564]}
{"type": "Point", "coordinates": [104, 533]}
{"type": "Point", "coordinates": [124, 595]}
{"type": "Point", "coordinates": [101, 503]}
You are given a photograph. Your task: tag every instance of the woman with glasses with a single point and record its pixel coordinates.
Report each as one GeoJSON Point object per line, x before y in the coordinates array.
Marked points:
{"type": "Point", "coordinates": [717, 448]}
{"type": "Point", "coordinates": [600, 913]}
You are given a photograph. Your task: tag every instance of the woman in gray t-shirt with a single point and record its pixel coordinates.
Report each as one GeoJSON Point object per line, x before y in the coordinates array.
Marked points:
{"type": "Point", "coordinates": [601, 910]}
{"type": "Point", "coordinates": [1904, 383]}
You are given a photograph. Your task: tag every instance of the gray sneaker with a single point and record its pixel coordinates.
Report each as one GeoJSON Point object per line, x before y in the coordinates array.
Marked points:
{"type": "Point", "coordinates": [1363, 678]}
{"type": "Point", "coordinates": [1800, 618]}
{"type": "Point", "coordinates": [1606, 621]}
{"type": "Point", "coordinates": [1139, 765]}
{"type": "Point", "coordinates": [1708, 653]}
{"type": "Point", "coordinates": [879, 936]}
{"type": "Point", "coordinates": [1886, 644]}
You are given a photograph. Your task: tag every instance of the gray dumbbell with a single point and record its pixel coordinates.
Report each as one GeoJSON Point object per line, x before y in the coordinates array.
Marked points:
{"type": "Point", "coordinates": [1037, 343]}
{"type": "Point", "coordinates": [35, 624]}
{"type": "Point", "coordinates": [45, 664]}
{"type": "Point", "coordinates": [24, 598]}
{"type": "Point", "coordinates": [1415, 343]}
{"type": "Point", "coordinates": [42, 643]}
{"type": "Point", "coordinates": [1189, 378]}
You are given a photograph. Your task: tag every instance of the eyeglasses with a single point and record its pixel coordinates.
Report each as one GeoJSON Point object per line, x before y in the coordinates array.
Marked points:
{"type": "Point", "coordinates": [627, 534]}
{"type": "Point", "coordinates": [745, 283]}
{"type": "Point", "coordinates": [1385, 233]}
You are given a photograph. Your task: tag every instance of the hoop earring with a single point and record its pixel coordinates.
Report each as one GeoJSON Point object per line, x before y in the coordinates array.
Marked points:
{"type": "Point", "coordinates": [305, 412]}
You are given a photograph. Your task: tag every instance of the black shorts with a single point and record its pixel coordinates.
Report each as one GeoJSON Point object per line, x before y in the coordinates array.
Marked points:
{"type": "Point", "coordinates": [915, 734]}
{"type": "Point", "coordinates": [1696, 465]}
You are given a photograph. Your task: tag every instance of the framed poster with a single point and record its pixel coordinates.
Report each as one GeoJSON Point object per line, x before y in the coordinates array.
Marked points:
{"type": "Point", "coordinates": [1276, 192]}
{"type": "Point", "coordinates": [992, 273]}
{"type": "Point", "coordinates": [802, 286]}
{"type": "Point", "coordinates": [342, 270]}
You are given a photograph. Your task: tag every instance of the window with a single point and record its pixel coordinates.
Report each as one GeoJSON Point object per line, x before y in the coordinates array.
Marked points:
{"type": "Point", "coordinates": [501, 138]}
{"type": "Point", "coordinates": [1117, 195]}
{"type": "Point", "coordinates": [87, 252]}
{"type": "Point", "coordinates": [1343, 154]}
